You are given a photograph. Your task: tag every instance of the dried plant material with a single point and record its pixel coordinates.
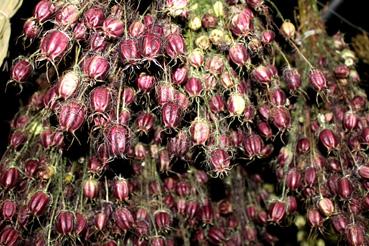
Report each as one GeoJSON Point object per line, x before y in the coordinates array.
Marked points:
{"type": "Point", "coordinates": [7, 10]}
{"type": "Point", "coordinates": [360, 44]}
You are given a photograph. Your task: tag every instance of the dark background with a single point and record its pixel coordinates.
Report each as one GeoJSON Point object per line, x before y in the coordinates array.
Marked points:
{"type": "Point", "coordinates": [353, 11]}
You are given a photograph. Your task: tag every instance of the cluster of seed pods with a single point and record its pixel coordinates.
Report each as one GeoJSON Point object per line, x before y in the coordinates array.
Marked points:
{"type": "Point", "coordinates": [166, 128]}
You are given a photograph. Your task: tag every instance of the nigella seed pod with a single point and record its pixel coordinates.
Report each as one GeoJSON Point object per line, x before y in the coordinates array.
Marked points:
{"type": "Point", "coordinates": [344, 188]}
{"type": "Point", "coordinates": [150, 46]}
{"type": "Point", "coordinates": [44, 10]}
{"type": "Point", "coordinates": [288, 30]}
{"type": "Point", "coordinates": [277, 211]}
{"type": "Point", "coordinates": [200, 131]}
{"type": "Point", "coordinates": [215, 66]}
{"type": "Point", "coordinates": [123, 218]}
{"type": "Point", "coordinates": [136, 29]}
{"type": "Point", "coordinates": [355, 235]}
{"type": "Point", "coordinates": [9, 178]}
{"type": "Point", "coordinates": [303, 145]}
{"type": "Point", "coordinates": [318, 80]}
{"type": "Point", "coordinates": [183, 188]}
{"type": "Point", "coordinates": [90, 188]}
{"type": "Point", "coordinates": [339, 223]}
{"type": "Point", "coordinates": [129, 51]}
{"type": "Point", "coordinates": [113, 27]}
{"type": "Point", "coordinates": [80, 223]}
{"type": "Point", "coordinates": [236, 104]}
{"type": "Point", "coordinates": [253, 145]}
{"type": "Point", "coordinates": [326, 206]}
{"type": "Point", "coordinates": [217, 104]}
{"type": "Point", "coordinates": [216, 236]}
{"type": "Point", "coordinates": [38, 204]}
{"type": "Point", "coordinates": [171, 114]}
{"type": "Point", "coordinates": [64, 222]}
{"type": "Point", "coordinates": [341, 71]}
{"type": "Point", "coordinates": [9, 236]}
{"type": "Point", "coordinates": [328, 139]}
{"type": "Point", "coordinates": [71, 116]}
{"type": "Point", "coordinates": [220, 161]}
{"type": "Point", "coordinates": [194, 87]}
{"type": "Point", "coordinates": [293, 179]}
{"type": "Point", "coordinates": [292, 78]}
{"type": "Point", "coordinates": [117, 139]}
{"type": "Point", "coordinates": [96, 67]}
{"type": "Point", "coordinates": [363, 172]}
{"type": "Point", "coordinates": [80, 31]}
{"type": "Point", "coordinates": [179, 76]}
{"type": "Point", "coordinates": [67, 15]}
{"type": "Point", "coordinates": [181, 100]}
{"type": "Point", "coordinates": [145, 82]}
{"type": "Point", "coordinates": [180, 144]}
{"type": "Point", "coordinates": [242, 23]}
{"type": "Point", "coordinates": [310, 176]}
{"type": "Point", "coordinates": [238, 55]}
{"type": "Point", "coordinates": [54, 44]}
{"type": "Point", "coordinates": [267, 36]}
{"type": "Point", "coordinates": [94, 17]}
{"type": "Point", "coordinates": [262, 74]}
{"type": "Point", "coordinates": [163, 220]}
{"type": "Point", "coordinates": [121, 189]}
{"type": "Point", "coordinates": [101, 220]}
{"type": "Point", "coordinates": [175, 45]}
{"type": "Point", "coordinates": [31, 29]}
{"type": "Point", "coordinates": [8, 210]}
{"type": "Point", "coordinates": [314, 217]}
{"type": "Point", "coordinates": [350, 120]}
{"type": "Point", "coordinates": [264, 129]}
{"type": "Point", "coordinates": [21, 71]}
{"type": "Point", "coordinates": [97, 42]}
{"type": "Point", "coordinates": [165, 93]}
{"type": "Point", "coordinates": [196, 58]}
{"type": "Point", "coordinates": [145, 121]}
{"type": "Point", "coordinates": [209, 21]}
{"type": "Point", "coordinates": [277, 97]}
{"type": "Point", "coordinates": [17, 139]}
{"type": "Point", "coordinates": [99, 99]}
{"type": "Point", "coordinates": [68, 84]}
{"type": "Point", "coordinates": [281, 118]}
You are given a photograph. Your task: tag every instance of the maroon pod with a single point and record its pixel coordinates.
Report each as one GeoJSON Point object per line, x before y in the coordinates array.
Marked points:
{"type": "Point", "coordinates": [194, 87]}
{"type": "Point", "coordinates": [150, 46]}
{"type": "Point", "coordinates": [239, 55]}
{"type": "Point", "coordinates": [220, 161]}
{"type": "Point", "coordinates": [171, 114]}
{"type": "Point", "coordinates": [67, 15]}
{"type": "Point", "coordinates": [64, 222]}
{"type": "Point", "coordinates": [200, 131]}
{"type": "Point", "coordinates": [145, 82]}
{"type": "Point", "coordinates": [216, 236]}
{"type": "Point", "coordinates": [162, 220]}
{"type": "Point", "coordinates": [129, 51]}
{"type": "Point", "coordinates": [9, 236]}
{"type": "Point", "coordinates": [175, 45]}
{"type": "Point", "coordinates": [179, 76]}
{"type": "Point", "coordinates": [113, 27]}
{"type": "Point", "coordinates": [96, 67]}
{"type": "Point", "coordinates": [253, 145]}
{"type": "Point", "coordinates": [314, 217]}
{"type": "Point", "coordinates": [121, 189]}
{"type": "Point", "coordinates": [326, 206]}
{"type": "Point", "coordinates": [277, 211]}
{"type": "Point", "coordinates": [9, 178]}
{"type": "Point", "coordinates": [292, 78]}
{"type": "Point", "coordinates": [54, 44]}
{"type": "Point", "coordinates": [44, 10]}
{"type": "Point", "coordinates": [242, 23]}
{"type": "Point", "coordinates": [317, 79]}
{"type": "Point", "coordinates": [71, 116]}
{"type": "Point", "coordinates": [99, 99]}
{"type": "Point", "coordinates": [123, 218]}
{"type": "Point", "coordinates": [328, 139]}
{"type": "Point", "coordinates": [117, 139]}
{"type": "Point", "coordinates": [262, 74]}
{"type": "Point", "coordinates": [91, 188]}
{"type": "Point", "coordinates": [31, 29]}
{"type": "Point", "coordinates": [145, 121]}
{"type": "Point", "coordinates": [94, 17]}
{"type": "Point", "coordinates": [38, 203]}
{"type": "Point", "coordinates": [21, 71]}
{"type": "Point", "coordinates": [355, 235]}
{"type": "Point", "coordinates": [344, 188]}
{"type": "Point", "coordinates": [8, 209]}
